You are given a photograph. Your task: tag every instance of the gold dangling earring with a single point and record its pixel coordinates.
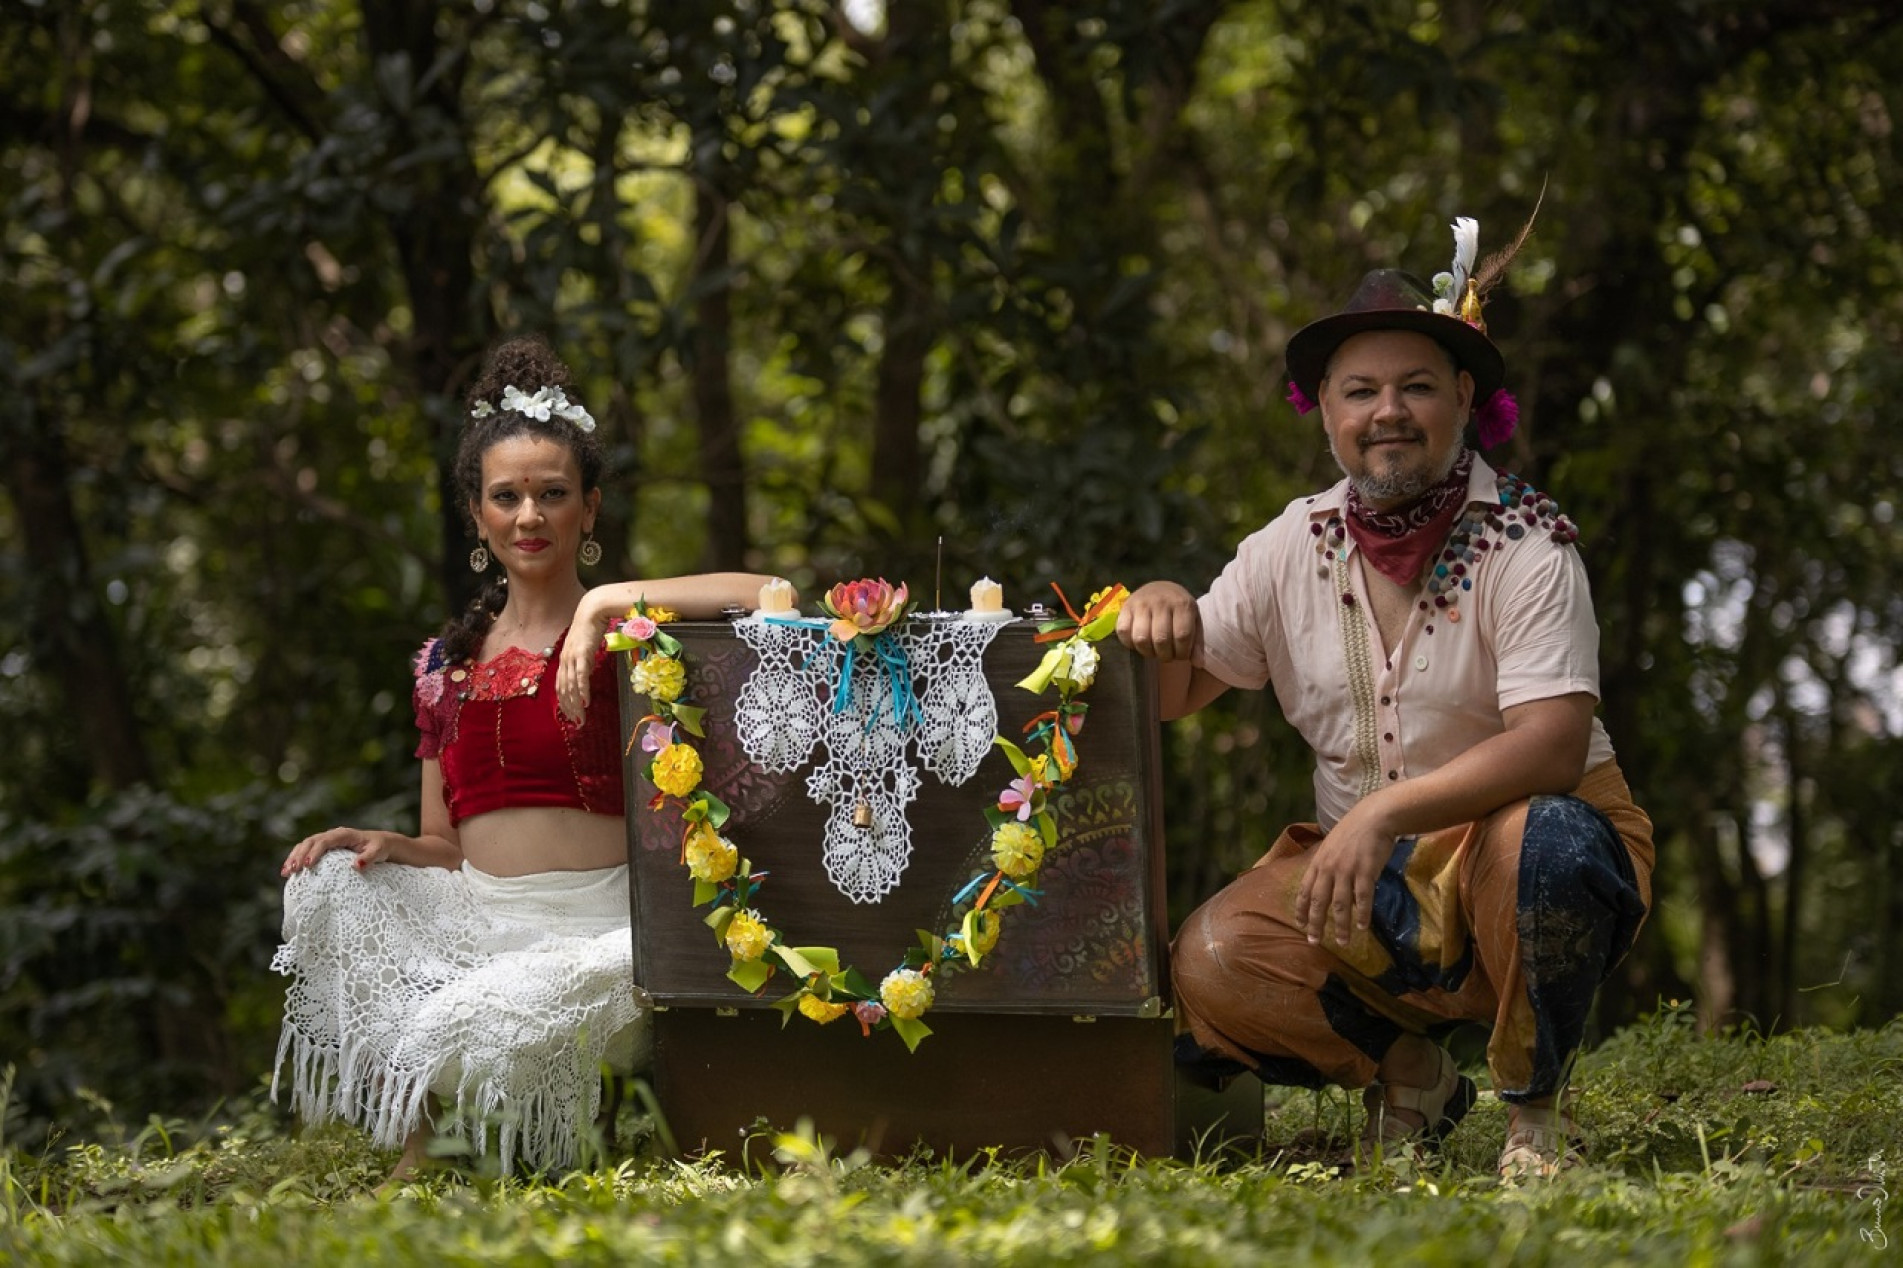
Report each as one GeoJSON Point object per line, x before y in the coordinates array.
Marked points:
{"type": "Point", "coordinates": [479, 558]}
{"type": "Point", "coordinates": [590, 553]}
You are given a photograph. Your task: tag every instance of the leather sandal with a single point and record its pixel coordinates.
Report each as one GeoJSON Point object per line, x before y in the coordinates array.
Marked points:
{"type": "Point", "coordinates": [1441, 1108]}
{"type": "Point", "coordinates": [1542, 1142]}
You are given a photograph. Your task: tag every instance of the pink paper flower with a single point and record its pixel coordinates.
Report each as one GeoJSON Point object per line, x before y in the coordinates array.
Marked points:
{"type": "Point", "coordinates": [639, 628]}
{"type": "Point", "coordinates": [863, 608]}
{"type": "Point", "coordinates": [656, 737]}
{"type": "Point", "coordinates": [1497, 418]}
{"type": "Point", "coordinates": [1019, 797]}
{"type": "Point", "coordinates": [1298, 398]}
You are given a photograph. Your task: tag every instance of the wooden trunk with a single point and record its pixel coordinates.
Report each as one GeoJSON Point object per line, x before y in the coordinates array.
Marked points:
{"type": "Point", "coordinates": [1063, 1032]}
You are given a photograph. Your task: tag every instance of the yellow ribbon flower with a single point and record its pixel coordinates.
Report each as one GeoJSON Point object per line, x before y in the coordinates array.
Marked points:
{"type": "Point", "coordinates": [677, 770]}
{"type": "Point", "coordinates": [747, 936]}
{"type": "Point", "coordinates": [821, 1010]}
{"type": "Point", "coordinates": [906, 993]}
{"type": "Point", "coordinates": [710, 857]}
{"type": "Point", "coordinates": [659, 678]}
{"type": "Point", "coordinates": [1017, 849]}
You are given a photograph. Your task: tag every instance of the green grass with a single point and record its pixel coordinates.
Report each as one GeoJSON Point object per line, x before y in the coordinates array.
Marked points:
{"type": "Point", "coordinates": [1720, 1150]}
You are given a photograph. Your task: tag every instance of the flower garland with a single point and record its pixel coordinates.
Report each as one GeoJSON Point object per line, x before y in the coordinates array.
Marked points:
{"type": "Point", "coordinates": [1024, 826]}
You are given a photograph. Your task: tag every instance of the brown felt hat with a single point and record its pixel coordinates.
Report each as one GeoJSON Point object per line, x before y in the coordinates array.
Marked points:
{"type": "Point", "coordinates": [1389, 299]}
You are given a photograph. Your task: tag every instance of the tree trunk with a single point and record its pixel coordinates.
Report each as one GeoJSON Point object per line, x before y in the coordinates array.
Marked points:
{"type": "Point", "coordinates": [70, 632]}
{"type": "Point", "coordinates": [1797, 864]}
{"type": "Point", "coordinates": [72, 637]}
{"type": "Point", "coordinates": [435, 237]}
{"type": "Point", "coordinates": [721, 464]}
{"type": "Point", "coordinates": [898, 408]}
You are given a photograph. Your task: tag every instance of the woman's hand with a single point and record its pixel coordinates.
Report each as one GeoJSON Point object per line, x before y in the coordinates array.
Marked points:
{"type": "Point", "coordinates": [578, 653]}
{"type": "Point", "coordinates": [1338, 888]}
{"type": "Point", "coordinates": [369, 847]}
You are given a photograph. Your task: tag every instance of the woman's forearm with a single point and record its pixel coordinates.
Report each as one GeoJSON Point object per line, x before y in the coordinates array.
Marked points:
{"type": "Point", "coordinates": [699, 597]}
{"type": "Point", "coordinates": [424, 851]}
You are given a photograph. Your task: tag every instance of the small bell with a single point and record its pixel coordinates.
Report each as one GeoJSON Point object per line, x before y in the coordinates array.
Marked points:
{"type": "Point", "coordinates": [862, 815]}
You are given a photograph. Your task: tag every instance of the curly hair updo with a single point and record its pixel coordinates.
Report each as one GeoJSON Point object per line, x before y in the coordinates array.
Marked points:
{"type": "Point", "coordinates": [526, 364]}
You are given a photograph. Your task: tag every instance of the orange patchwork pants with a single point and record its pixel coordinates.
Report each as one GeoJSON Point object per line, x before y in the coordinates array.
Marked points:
{"type": "Point", "coordinates": [1512, 921]}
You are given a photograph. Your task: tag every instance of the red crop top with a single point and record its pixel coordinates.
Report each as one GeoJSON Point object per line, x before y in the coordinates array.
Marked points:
{"type": "Point", "coordinates": [503, 741]}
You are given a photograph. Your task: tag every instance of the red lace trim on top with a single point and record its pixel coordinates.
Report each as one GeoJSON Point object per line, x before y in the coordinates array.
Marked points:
{"type": "Point", "coordinates": [511, 672]}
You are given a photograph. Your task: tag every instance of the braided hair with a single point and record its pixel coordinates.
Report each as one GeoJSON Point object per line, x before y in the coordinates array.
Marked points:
{"type": "Point", "coordinates": [526, 363]}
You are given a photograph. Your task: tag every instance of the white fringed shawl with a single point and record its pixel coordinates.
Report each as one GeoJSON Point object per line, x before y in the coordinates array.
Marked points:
{"type": "Point", "coordinates": [501, 994]}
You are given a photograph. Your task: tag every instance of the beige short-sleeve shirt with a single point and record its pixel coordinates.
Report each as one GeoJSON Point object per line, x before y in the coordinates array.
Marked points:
{"type": "Point", "coordinates": [1512, 622]}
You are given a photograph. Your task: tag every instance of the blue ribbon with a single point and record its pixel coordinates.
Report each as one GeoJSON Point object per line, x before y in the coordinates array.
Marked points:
{"type": "Point", "coordinates": [898, 677]}
{"type": "Point", "coordinates": [893, 666]}
{"type": "Point", "coordinates": [976, 883]}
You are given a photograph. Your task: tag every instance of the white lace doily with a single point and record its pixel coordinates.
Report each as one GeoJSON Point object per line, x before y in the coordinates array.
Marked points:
{"type": "Point", "coordinates": [786, 709]}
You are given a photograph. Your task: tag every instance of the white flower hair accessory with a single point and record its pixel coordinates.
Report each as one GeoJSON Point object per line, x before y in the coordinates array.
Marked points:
{"type": "Point", "coordinates": [544, 403]}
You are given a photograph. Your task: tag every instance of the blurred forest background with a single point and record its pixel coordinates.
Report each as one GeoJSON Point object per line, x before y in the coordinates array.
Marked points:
{"type": "Point", "coordinates": [840, 279]}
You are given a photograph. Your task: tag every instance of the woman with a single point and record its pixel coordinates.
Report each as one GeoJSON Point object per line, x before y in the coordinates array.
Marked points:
{"type": "Point", "coordinates": [487, 960]}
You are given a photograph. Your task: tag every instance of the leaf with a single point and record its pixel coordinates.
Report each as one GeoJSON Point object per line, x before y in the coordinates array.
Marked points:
{"type": "Point", "coordinates": [718, 919]}
{"type": "Point", "coordinates": [689, 716]}
{"type": "Point", "coordinates": [1019, 762]}
{"type": "Point", "coordinates": [705, 892]}
{"type": "Point", "coordinates": [912, 1031]}
{"type": "Point", "coordinates": [796, 963]}
{"type": "Point", "coordinates": [1100, 628]}
{"type": "Point", "coordinates": [1047, 824]}
{"type": "Point", "coordinates": [970, 931]}
{"type": "Point", "coordinates": [750, 975]}
{"type": "Point", "coordinates": [717, 811]}
{"type": "Point", "coordinates": [823, 959]}
{"type": "Point", "coordinates": [1040, 678]}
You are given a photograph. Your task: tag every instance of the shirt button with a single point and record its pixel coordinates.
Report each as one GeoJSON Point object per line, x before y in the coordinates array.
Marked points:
{"type": "Point", "coordinates": [1420, 662]}
{"type": "Point", "coordinates": [1392, 775]}
{"type": "Point", "coordinates": [1387, 699]}
{"type": "Point", "coordinates": [1389, 737]}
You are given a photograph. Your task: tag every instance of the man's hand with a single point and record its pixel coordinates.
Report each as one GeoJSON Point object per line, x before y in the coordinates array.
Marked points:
{"type": "Point", "coordinates": [1338, 888]}
{"type": "Point", "coordinates": [1160, 620]}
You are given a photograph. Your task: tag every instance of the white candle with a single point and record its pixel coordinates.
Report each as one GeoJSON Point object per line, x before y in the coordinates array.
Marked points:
{"type": "Point", "coordinates": [776, 596]}
{"type": "Point", "coordinates": [987, 596]}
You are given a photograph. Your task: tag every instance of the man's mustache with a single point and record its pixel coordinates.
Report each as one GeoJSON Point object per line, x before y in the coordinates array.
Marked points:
{"type": "Point", "coordinates": [1392, 433]}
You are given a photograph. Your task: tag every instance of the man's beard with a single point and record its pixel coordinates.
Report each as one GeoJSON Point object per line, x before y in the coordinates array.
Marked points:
{"type": "Point", "coordinates": [1396, 485]}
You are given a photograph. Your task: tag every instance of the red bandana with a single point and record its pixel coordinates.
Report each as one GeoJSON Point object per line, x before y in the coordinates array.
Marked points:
{"type": "Point", "coordinates": [1400, 542]}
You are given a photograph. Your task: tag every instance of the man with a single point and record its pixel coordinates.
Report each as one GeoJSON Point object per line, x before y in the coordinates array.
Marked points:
{"type": "Point", "coordinates": [1426, 626]}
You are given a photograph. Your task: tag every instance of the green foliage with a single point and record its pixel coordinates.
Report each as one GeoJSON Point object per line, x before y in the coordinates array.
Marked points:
{"type": "Point", "coordinates": [135, 940]}
{"type": "Point", "coordinates": [1013, 273]}
{"type": "Point", "coordinates": [1674, 1182]}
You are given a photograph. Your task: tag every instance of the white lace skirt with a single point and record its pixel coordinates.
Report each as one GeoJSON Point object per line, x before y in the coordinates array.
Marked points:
{"type": "Point", "coordinates": [503, 995]}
